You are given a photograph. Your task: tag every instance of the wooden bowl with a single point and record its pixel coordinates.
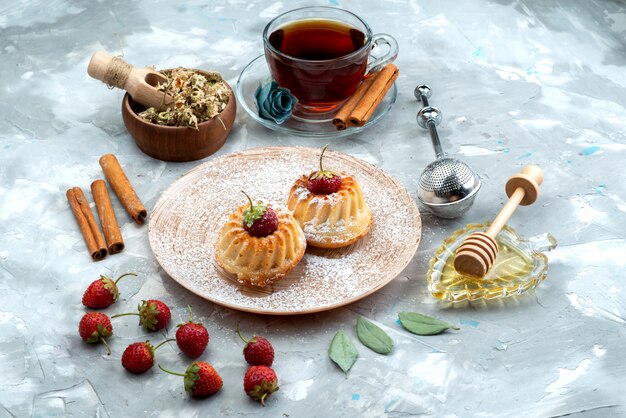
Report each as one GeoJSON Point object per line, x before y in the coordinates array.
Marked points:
{"type": "Point", "coordinates": [178, 143]}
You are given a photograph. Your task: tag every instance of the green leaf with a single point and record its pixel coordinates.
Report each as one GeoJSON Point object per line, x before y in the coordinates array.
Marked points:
{"type": "Point", "coordinates": [423, 324]}
{"type": "Point", "coordinates": [342, 351]}
{"type": "Point", "coordinates": [373, 336]}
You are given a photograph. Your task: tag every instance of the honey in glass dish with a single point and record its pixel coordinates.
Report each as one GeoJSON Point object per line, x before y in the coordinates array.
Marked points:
{"type": "Point", "coordinates": [519, 267]}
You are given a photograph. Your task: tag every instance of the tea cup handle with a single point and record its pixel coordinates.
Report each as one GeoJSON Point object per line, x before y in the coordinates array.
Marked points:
{"type": "Point", "coordinates": [377, 61]}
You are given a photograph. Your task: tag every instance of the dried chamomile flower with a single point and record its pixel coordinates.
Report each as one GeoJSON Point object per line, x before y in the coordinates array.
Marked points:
{"type": "Point", "coordinates": [196, 99]}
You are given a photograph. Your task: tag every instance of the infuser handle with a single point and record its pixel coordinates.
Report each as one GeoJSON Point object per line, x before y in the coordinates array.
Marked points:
{"type": "Point", "coordinates": [422, 93]}
{"type": "Point", "coordinates": [429, 117]}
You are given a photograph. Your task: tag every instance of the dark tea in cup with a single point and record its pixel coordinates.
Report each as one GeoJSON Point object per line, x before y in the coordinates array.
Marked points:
{"type": "Point", "coordinates": [318, 40]}
{"type": "Point", "coordinates": [321, 54]}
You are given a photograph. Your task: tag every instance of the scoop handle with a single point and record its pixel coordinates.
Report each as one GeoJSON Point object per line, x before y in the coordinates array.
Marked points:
{"type": "Point", "coordinates": [138, 82]}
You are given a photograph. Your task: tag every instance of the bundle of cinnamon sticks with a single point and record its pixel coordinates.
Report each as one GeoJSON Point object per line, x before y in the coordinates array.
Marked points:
{"type": "Point", "coordinates": [358, 109]}
{"type": "Point", "coordinates": [112, 241]}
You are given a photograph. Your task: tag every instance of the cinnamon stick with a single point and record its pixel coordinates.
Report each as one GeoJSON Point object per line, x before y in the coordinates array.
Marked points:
{"type": "Point", "coordinates": [341, 119]}
{"type": "Point", "coordinates": [111, 230]}
{"type": "Point", "coordinates": [372, 97]}
{"type": "Point", "coordinates": [122, 188]}
{"type": "Point", "coordinates": [87, 223]}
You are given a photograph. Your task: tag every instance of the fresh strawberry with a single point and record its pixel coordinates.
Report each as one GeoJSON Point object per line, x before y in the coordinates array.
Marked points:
{"type": "Point", "coordinates": [259, 220]}
{"type": "Point", "coordinates": [257, 351]}
{"type": "Point", "coordinates": [103, 292]}
{"type": "Point", "coordinates": [201, 379]}
{"type": "Point", "coordinates": [260, 382]}
{"type": "Point", "coordinates": [95, 327]}
{"type": "Point", "coordinates": [138, 358]}
{"type": "Point", "coordinates": [192, 337]}
{"type": "Point", "coordinates": [153, 315]}
{"type": "Point", "coordinates": [322, 181]}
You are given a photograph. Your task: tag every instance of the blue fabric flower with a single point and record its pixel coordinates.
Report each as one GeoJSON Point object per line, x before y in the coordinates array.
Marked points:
{"type": "Point", "coordinates": [273, 102]}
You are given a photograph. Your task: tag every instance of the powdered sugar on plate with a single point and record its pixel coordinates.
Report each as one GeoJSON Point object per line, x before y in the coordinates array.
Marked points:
{"type": "Point", "coordinates": [186, 219]}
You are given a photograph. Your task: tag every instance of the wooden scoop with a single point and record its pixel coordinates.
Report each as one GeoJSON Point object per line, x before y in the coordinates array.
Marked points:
{"type": "Point", "coordinates": [477, 253]}
{"type": "Point", "coordinates": [138, 82]}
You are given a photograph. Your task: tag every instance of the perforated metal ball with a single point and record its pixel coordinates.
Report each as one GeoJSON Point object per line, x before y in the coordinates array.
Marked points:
{"type": "Point", "coordinates": [447, 180]}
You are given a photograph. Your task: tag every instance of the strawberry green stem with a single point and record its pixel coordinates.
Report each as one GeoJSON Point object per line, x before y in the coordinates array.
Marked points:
{"type": "Point", "coordinates": [106, 345]}
{"type": "Point", "coordinates": [171, 372]}
{"type": "Point", "coordinates": [190, 313]}
{"type": "Point", "coordinates": [249, 200]}
{"type": "Point", "coordinates": [239, 333]}
{"type": "Point", "coordinates": [322, 156]}
{"type": "Point", "coordinates": [263, 399]}
{"type": "Point", "coordinates": [123, 275]}
{"type": "Point", "coordinates": [166, 341]}
{"type": "Point", "coordinates": [125, 314]}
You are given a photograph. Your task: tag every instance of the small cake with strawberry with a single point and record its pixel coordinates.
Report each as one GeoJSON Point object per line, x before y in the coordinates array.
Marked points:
{"type": "Point", "coordinates": [330, 208]}
{"type": "Point", "coordinates": [259, 244]}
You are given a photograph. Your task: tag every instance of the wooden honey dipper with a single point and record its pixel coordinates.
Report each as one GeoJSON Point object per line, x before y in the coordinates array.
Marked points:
{"type": "Point", "coordinates": [477, 253]}
{"type": "Point", "coordinates": [138, 82]}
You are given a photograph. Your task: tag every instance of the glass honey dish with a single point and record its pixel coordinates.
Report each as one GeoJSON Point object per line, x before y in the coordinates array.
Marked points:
{"type": "Point", "coordinates": [519, 267]}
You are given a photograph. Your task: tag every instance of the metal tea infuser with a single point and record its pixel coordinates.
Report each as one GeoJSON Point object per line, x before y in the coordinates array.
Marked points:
{"type": "Point", "coordinates": [447, 186]}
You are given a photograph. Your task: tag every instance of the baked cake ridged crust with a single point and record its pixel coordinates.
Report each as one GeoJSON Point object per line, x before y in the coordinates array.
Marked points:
{"type": "Point", "coordinates": [259, 261]}
{"type": "Point", "coordinates": [333, 220]}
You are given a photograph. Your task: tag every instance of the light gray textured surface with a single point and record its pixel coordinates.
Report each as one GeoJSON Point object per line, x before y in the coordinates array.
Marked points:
{"type": "Point", "coordinates": [517, 81]}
